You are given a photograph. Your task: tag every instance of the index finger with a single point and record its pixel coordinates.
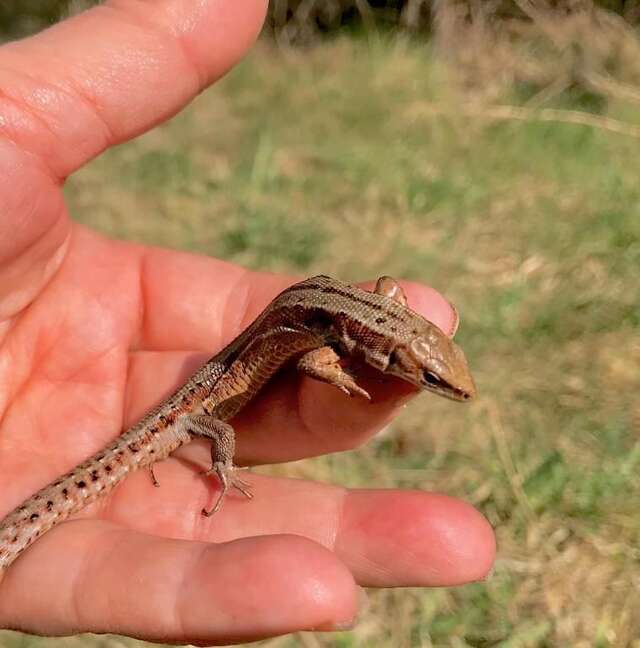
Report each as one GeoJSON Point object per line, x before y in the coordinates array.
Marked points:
{"type": "Point", "coordinates": [91, 82]}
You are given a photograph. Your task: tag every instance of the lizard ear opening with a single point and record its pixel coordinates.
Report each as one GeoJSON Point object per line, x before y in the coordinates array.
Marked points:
{"type": "Point", "coordinates": [389, 287]}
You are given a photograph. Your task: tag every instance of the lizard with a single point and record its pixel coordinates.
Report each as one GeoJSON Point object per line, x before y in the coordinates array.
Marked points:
{"type": "Point", "coordinates": [318, 322]}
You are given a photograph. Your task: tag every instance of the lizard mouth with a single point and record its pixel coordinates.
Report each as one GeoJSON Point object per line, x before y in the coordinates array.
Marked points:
{"type": "Point", "coordinates": [436, 384]}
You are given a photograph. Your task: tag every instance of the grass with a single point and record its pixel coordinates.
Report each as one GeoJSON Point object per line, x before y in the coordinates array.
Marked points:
{"type": "Point", "coordinates": [358, 157]}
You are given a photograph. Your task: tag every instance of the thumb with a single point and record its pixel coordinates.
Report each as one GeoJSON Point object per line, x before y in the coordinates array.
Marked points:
{"type": "Point", "coordinates": [88, 83]}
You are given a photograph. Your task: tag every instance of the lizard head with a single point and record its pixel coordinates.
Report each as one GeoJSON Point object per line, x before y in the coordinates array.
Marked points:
{"type": "Point", "coordinates": [432, 361]}
{"type": "Point", "coordinates": [380, 328]}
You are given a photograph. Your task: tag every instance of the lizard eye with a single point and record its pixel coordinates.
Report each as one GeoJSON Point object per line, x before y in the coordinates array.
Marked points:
{"type": "Point", "coordinates": [430, 378]}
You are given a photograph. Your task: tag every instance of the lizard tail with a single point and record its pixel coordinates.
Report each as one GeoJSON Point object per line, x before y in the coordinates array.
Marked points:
{"type": "Point", "coordinates": [85, 483]}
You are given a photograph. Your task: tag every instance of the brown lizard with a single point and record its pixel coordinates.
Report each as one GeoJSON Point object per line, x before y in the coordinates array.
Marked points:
{"type": "Point", "coordinates": [317, 321]}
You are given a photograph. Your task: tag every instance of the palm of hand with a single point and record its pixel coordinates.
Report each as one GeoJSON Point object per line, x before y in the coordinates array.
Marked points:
{"type": "Point", "coordinates": [93, 332]}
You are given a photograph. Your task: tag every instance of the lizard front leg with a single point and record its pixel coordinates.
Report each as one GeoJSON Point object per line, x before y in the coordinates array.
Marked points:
{"type": "Point", "coordinates": [223, 445]}
{"type": "Point", "coordinates": [324, 364]}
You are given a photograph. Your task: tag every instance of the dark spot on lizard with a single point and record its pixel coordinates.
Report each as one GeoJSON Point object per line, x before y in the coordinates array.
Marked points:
{"type": "Point", "coordinates": [81, 484]}
{"type": "Point", "coordinates": [108, 468]}
{"type": "Point", "coordinates": [14, 539]}
{"type": "Point", "coordinates": [393, 329]}
{"type": "Point", "coordinates": [163, 419]}
{"type": "Point", "coordinates": [49, 505]}
{"type": "Point", "coordinates": [94, 475]}
{"type": "Point", "coordinates": [65, 493]}
{"type": "Point", "coordinates": [34, 517]}
{"type": "Point", "coordinates": [133, 447]}
{"type": "Point", "coordinates": [380, 320]}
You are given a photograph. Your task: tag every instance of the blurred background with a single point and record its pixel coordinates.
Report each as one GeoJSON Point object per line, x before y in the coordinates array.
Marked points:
{"type": "Point", "coordinates": [490, 149]}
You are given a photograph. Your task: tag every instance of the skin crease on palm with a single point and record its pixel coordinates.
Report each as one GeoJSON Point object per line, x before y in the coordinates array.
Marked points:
{"type": "Point", "coordinates": [94, 331]}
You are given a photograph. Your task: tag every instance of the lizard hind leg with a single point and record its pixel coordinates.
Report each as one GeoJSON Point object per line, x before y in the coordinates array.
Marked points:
{"type": "Point", "coordinates": [223, 445]}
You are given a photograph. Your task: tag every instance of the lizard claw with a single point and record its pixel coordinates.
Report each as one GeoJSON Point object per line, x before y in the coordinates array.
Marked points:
{"type": "Point", "coordinates": [351, 388]}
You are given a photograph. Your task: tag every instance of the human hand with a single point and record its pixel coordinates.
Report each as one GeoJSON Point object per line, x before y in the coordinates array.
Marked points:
{"type": "Point", "coordinates": [93, 332]}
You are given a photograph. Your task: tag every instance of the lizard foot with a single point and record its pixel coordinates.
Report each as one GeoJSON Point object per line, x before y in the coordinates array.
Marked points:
{"type": "Point", "coordinates": [323, 364]}
{"type": "Point", "coordinates": [224, 472]}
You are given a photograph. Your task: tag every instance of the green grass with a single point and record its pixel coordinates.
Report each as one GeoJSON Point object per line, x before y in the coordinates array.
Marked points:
{"type": "Point", "coordinates": [331, 160]}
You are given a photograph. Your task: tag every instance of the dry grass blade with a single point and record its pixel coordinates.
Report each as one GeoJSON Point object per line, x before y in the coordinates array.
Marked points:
{"type": "Point", "coordinates": [521, 113]}
{"type": "Point", "coordinates": [610, 87]}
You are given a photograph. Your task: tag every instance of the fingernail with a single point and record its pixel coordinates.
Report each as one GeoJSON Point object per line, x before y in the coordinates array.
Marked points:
{"type": "Point", "coordinates": [456, 320]}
